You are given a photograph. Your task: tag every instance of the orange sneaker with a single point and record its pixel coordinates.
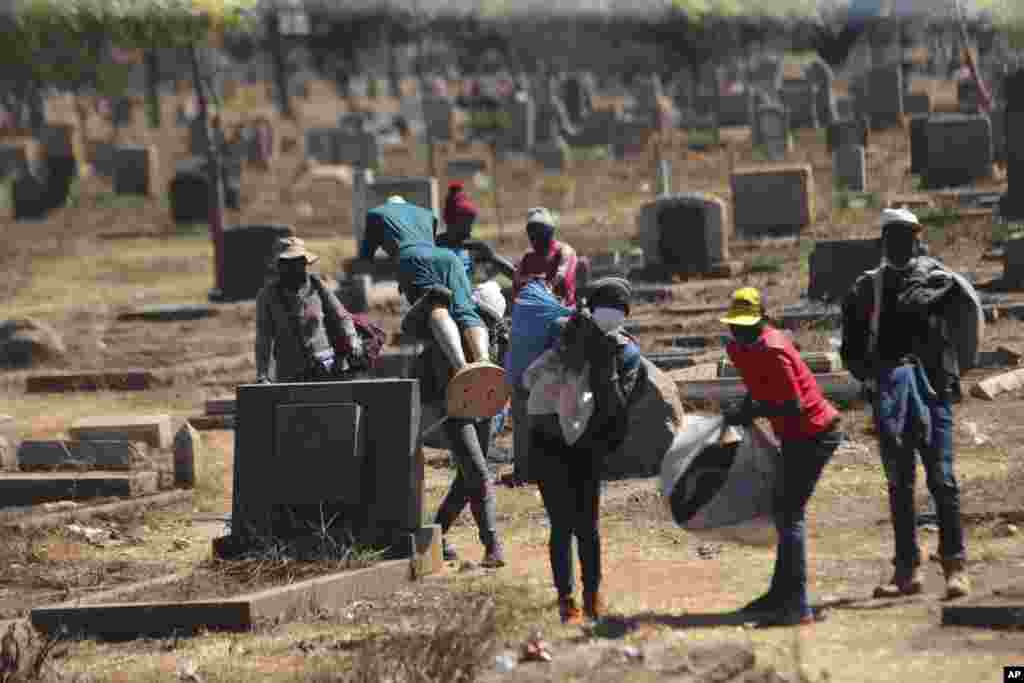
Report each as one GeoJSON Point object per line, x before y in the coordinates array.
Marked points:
{"type": "Point", "coordinates": [569, 611]}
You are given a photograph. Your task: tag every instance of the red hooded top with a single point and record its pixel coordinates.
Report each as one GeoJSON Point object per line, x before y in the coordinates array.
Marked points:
{"type": "Point", "coordinates": [458, 204]}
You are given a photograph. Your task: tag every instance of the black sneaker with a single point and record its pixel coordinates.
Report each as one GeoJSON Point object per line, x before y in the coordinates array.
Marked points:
{"type": "Point", "coordinates": [765, 603]}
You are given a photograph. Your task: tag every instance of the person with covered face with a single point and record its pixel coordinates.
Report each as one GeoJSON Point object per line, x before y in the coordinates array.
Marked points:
{"type": "Point", "coordinates": [781, 388]}
{"type": "Point", "coordinates": [902, 337]}
{"type": "Point", "coordinates": [301, 324]}
{"type": "Point", "coordinates": [459, 216]}
{"type": "Point", "coordinates": [570, 464]}
{"type": "Point", "coordinates": [444, 316]}
{"type": "Point", "coordinates": [550, 259]}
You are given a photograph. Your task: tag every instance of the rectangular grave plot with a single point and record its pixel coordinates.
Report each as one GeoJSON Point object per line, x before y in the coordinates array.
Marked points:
{"type": "Point", "coordinates": [320, 451]}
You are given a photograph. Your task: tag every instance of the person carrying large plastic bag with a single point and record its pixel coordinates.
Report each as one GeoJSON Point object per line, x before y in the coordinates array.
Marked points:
{"type": "Point", "coordinates": [536, 317]}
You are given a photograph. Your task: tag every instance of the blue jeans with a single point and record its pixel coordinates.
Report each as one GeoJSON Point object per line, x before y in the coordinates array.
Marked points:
{"type": "Point", "coordinates": [900, 471]}
{"type": "Point", "coordinates": [799, 468]}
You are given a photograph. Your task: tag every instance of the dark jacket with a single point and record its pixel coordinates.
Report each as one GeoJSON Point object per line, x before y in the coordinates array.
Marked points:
{"type": "Point", "coordinates": [913, 324]}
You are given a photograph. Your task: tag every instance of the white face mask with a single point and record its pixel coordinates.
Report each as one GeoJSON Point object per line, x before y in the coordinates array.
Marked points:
{"type": "Point", "coordinates": [608, 319]}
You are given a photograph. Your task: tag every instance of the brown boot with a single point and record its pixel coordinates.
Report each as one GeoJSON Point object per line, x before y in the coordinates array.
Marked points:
{"type": "Point", "coordinates": [594, 606]}
{"type": "Point", "coordinates": [958, 584]}
{"type": "Point", "coordinates": [569, 611]}
{"type": "Point", "coordinates": [905, 581]}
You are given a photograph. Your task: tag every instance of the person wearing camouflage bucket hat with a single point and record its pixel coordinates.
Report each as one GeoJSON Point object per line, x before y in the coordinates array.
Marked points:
{"type": "Point", "coordinates": [301, 324]}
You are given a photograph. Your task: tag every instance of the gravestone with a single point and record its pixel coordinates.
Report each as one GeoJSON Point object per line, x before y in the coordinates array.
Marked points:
{"type": "Point", "coordinates": [521, 134]}
{"type": "Point", "coordinates": [335, 146]}
{"type": "Point", "coordinates": [685, 233]}
{"type": "Point", "coordinates": [772, 200]}
{"type": "Point", "coordinates": [553, 155]}
{"type": "Point", "coordinates": [121, 112]}
{"type": "Point", "coordinates": [153, 430]}
{"type": "Point", "coordinates": [103, 159]}
{"type": "Point", "coordinates": [884, 96]}
{"type": "Point", "coordinates": [135, 168]}
{"type": "Point", "coordinates": [800, 100]}
{"type": "Point", "coordinates": [918, 132]}
{"type": "Point", "coordinates": [768, 74]}
{"type": "Point", "coordinates": [348, 448]}
{"type": "Point", "coordinates": [845, 108]}
{"type": "Point", "coordinates": [1011, 206]}
{"type": "Point", "coordinates": [836, 264]}
{"type": "Point", "coordinates": [968, 96]}
{"type": "Point", "coordinates": [438, 114]}
{"type": "Point", "coordinates": [998, 119]}
{"type": "Point", "coordinates": [42, 186]}
{"type": "Point", "coordinates": [14, 158]}
{"type": "Point", "coordinates": [847, 132]}
{"type": "Point", "coordinates": [917, 104]}
{"type": "Point", "coordinates": [959, 150]}
{"type": "Point", "coordinates": [819, 74]}
{"type": "Point", "coordinates": [849, 169]}
{"type": "Point", "coordinates": [189, 189]}
{"type": "Point", "coordinates": [248, 258]}
{"type": "Point", "coordinates": [772, 127]}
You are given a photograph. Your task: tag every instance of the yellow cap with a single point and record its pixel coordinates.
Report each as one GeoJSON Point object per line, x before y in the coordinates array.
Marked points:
{"type": "Point", "coordinates": [745, 308]}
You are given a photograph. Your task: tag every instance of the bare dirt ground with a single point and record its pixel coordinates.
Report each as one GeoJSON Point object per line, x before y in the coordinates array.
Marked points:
{"type": "Point", "coordinates": [663, 583]}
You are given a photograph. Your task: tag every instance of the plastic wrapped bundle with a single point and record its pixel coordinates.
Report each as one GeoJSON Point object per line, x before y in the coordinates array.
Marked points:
{"type": "Point", "coordinates": [720, 491]}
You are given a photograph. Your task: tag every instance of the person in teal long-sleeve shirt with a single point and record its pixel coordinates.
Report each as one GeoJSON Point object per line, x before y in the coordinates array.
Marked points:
{"type": "Point", "coordinates": [443, 313]}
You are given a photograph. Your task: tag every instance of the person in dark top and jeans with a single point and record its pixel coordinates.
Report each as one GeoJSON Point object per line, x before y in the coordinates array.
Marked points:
{"type": "Point", "coordinates": [783, 389]}
{"type": "Point", "coordinates": [569, 476]}
{"type": "Point", "coordinates": [898, 340]}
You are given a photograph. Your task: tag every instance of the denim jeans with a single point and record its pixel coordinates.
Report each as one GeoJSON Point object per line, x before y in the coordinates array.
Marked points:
{"type": "Point", "coordinates": [901, 470]}
{"type": "Point", "coordinates": [799, 468]}
{"type": "Point", "coordinates": [570, 486]}
{"type": "Point", "coordinates": [470, 441]}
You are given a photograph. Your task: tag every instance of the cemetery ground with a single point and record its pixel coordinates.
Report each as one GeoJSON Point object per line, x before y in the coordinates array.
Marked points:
{"type": "Point", "coordinates": [665, 587]}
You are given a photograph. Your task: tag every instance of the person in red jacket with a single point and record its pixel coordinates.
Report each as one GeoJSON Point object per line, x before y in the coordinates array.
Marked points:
{"type": "Point", "coordinates": [783, 389]}
{"type": "Point", "coordinates": [550, 259]}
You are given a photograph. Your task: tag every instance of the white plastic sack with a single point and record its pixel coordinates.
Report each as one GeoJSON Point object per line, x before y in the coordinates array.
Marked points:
{"type": "Point", "coordinates": [741, 509]}
{"type": "Point", "coordinates": [575, 405]}
{"type": "Point", "coordinates": [556, 390]}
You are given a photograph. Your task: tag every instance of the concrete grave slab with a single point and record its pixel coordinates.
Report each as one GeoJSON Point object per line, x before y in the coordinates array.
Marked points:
{"type": "Point", "coordinates": [960, 150]}
{"type": "Point", "coordinates": [126, 621]}
{"type": "Point", "coordinates": [32, 488]}
{"type": "Point", "coordinates": [685, 233]}
{"type": "Point", "coordinates": [169, 313]}
{"type": "Point", "coordinates": [772, 200]}
{"type": "Point", "coordinates": [996, 615]}
{"type": "Point", "coordinates": [81, 455]}
{"type": "Point", "coordinates": [113, 380]}
{"type": "Point", "coordinates": [391, 476]}
{"type": "Point", "coordinates": [992, 387]}
{"type": "Point", "coordinates": [153, 430]}
{"type": "Point", "coordinates": [82, 513]}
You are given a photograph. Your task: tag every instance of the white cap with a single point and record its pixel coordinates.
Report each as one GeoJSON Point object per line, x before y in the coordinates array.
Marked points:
{"type": "Point", "coordinates": [541, 215]}
{"type": "Point", "coordinates": [906, 216]}
{"type": "Point", "coordinates": [396, 199]}
{"type": "Point", "coordinates": [488, 296]}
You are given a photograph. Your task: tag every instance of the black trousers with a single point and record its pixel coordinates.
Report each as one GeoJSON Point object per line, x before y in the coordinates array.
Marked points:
{"type": "Point", "coordinates": [569, 479]}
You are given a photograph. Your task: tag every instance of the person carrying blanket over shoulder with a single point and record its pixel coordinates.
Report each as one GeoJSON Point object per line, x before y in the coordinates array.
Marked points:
{"type": "Point", "coordinates": [444, 316]}
{"type": "Point", "coordinates": [910, 327]}
{"type": "Point", "coordinates": [580, 395]}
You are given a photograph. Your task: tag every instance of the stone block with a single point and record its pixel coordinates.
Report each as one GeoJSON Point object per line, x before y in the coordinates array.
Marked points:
{"type": "Point", "coordinates": [153, 430]}
{"type": "Point", "coordinates": [248, 254]}
{"type": "Point", "coordinates": [772, 200]}
{"type": "Point", "coordinates": [33, 488]}
{"type": "Point", "coordinates": [114, 380]}
{"type": "Point", "coordinates": [686, 233]}
{"type": "Point", "coordinates": [8, 443]}
{"type": "Point", "coordinates": [135, 169]}
{"type": "Point", "coordinates": [849, 168]}
{"type": "Point", "coordinates": [836, 264]}
{"type": "Point", "coordinates": [884, 96]}
{"type": "Point", "coordinates": [390, 479]}
{"type": "Point", "coordinates": [110, 456]}
{"type": "Point", "coordinates": [959, 150]}
{"type": "Point", "coordinates": [991, 387]}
